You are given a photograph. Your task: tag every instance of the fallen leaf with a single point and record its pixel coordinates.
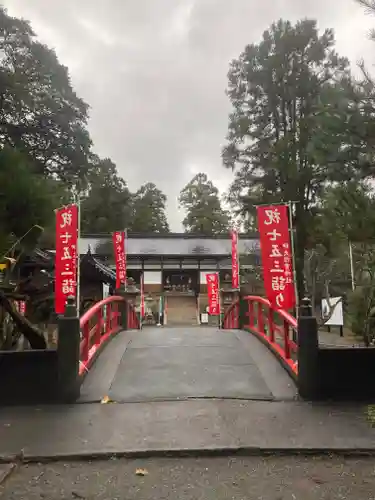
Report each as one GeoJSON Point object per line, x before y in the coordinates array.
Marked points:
{"type": "Point", "coordinates": [106, 400]}
{"type": "Point", "coordinates": [141, 472]}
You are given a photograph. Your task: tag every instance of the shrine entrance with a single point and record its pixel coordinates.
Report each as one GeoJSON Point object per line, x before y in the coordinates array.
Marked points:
{"type": "Point", "coordinates": [181, 288]}
{"type": "Point", "coordinates": [181, 281]}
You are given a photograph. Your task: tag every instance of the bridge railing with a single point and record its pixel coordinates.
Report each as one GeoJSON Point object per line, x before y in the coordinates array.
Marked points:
{"type": "Point", "coordinates": [100, 322]}
{"type": "Point", "coordinates": [277, 328]}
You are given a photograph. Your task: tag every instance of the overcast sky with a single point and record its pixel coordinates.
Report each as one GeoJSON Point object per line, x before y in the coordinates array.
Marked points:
{"type": "Point", "coordinates": [154, 73]}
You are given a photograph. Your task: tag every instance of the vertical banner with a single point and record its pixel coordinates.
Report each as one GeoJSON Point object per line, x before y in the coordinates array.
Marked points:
{"type": "Point", "coordinates": [277, 258]}
{"type": "Point", "coordinates": [120, 258]}
{"type": "Point", "coordinates": [142, 295]}
{"type": "Point", "coordinates": [213, 294]}
{"type": "Point", "coordinates": [20, 306]}
{"type": "Point", "coordinates": [235, 266]}
{"type": "Point", "coordinates": [66, 256]}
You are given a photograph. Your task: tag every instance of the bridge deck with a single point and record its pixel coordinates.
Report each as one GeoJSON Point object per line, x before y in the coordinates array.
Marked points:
{"type": "Point", "coordinates": [161, 364]}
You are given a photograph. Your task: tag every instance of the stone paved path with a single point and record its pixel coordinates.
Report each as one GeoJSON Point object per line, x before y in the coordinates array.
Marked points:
{"type": "Point", "coordinates": [268, 478]}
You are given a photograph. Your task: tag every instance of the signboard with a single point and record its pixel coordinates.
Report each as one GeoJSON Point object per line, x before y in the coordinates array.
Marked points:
{"type": "Point", "coordinates": [66, 256]}
{"type": "Point", "coordinates": [213, 294]}
{"type": "Point", "coordinates": [235, 266]}
{"type": "Point", "coordinates": [204, 318]}
{"type": "Point", "coordinates": [276, 254]}
{"type": "Point", "coordinates": [337, 316]}
{"type": "Point", "coordinates": [105, 295]}
{"type": "Point", "coordinates": [105, 290]}
{"type": "Point", "coordinates": [120, 257]}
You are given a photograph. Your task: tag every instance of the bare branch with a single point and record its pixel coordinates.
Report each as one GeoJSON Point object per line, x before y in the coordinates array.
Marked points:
{"type": "Point", "coordinates": [369, 5]}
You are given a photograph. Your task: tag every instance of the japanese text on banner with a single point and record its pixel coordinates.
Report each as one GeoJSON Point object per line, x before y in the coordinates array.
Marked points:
{"type": "Point", "coordinates": [235, 267]}
{"type": "Point", "coordinates": [213, 294]}
{"type": "Point", "coordinates": [21, 307]}
{"type": "Point", "coordinates": [66, 256]}
{"type": "Point", "coordinates": [276, 255]}
{"type": "Point", "coordinates": [120, 257]}
{"type": "Point", "coordinates": [142, 295]}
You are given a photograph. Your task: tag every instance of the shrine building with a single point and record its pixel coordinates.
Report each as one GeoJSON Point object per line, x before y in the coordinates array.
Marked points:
{"type": "Point", "coordinates": [174, 266]}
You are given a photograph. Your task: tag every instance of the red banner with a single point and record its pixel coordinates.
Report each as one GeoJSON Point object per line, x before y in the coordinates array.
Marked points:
{"type": "Point", "coordinates": [120, 257]}
{"type": "Point", "coordinates": [66, 256]}
{"type": "Point", "coordinates": [213, 294]}
{"type": "Point", "coordinates": [142, 296]}
{"type": "Point", "coordinates": [235, 266]}
{"type": "Point", "coordinates": [21, 307]}
{"type": "Point", "coordinates": [276, 253]}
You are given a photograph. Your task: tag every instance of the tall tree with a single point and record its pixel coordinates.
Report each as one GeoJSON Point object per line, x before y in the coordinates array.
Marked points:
{"type": "Point", "coordinates": [148, 210]}
{"type": "Point", "coordinates": [204, 213]}
{"type": "Point", "coordinates": [276, 88]}
{"type": "Point", "coordinates": [40, 113]}
{"type": "Point", "coordinates": [107, 205]}
{"type": "Point", "coordinates": [348, 212]}
{"type": "Point", "coordinates": [24, 202]}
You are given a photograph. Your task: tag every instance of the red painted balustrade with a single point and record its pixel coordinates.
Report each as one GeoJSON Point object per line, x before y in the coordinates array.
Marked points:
{"type": "Point", "coordinates": [276, 327]}
{"type": "Point", "coordinates": [99, 323]}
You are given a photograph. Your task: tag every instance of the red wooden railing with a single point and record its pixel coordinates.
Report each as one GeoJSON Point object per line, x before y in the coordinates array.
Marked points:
{"type": "Point", "coordinates": [100, 322]}
{"type": "Point", "coordinates": [277, 327]}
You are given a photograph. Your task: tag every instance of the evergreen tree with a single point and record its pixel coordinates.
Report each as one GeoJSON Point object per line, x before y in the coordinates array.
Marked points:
{"type": "Point", "coordinates": [204, 213]}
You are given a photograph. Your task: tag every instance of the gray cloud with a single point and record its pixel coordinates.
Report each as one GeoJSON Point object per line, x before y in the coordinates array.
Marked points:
{"type": "Point", "coordinates": [154, 73]}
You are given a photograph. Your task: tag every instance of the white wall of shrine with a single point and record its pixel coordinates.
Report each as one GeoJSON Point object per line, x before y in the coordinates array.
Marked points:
{"type": "Point", "coordinates": [152, 277]}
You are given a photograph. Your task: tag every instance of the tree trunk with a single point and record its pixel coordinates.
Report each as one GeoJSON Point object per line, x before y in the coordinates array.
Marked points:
{"type": "Point", "coordinates": [300, 246]}
{"type": "Point", "coordinates": [33, 334]}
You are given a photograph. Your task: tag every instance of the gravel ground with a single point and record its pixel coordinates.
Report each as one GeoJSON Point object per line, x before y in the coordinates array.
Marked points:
{"type": "Point", "coordinates": [254, 478]}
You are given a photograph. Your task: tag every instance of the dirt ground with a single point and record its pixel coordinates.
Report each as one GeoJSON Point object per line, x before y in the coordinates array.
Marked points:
{"type": "Point", "coordinates": [254, 478]}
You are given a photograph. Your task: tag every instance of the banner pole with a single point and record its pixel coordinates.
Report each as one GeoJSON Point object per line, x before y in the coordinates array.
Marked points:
{"type": "Point", "coordinates": [351, 265]}
{"type": "Point", "coordinates": [291, 228]}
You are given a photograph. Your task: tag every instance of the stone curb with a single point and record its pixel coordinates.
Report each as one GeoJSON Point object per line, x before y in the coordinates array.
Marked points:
{"type": "Point", "coordinates": [185, 453]}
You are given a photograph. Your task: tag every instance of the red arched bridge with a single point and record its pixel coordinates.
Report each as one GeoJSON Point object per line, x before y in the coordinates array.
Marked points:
{"type": "Point", "coordinates": [259, 353]}
{"type": "Point", "coordinates": [166, 363]}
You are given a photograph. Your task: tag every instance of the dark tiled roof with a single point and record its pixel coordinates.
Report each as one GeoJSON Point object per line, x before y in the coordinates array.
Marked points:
{"type": "Point", "coordinates": [189, 246]}
{"type": "Point", "coordinates": [88, 261]}
{"type": "Point", "coordinates": [43, 255]}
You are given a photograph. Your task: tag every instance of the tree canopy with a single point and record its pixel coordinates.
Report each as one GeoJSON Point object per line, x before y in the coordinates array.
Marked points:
{"type": "Point", "coordinates": [299, 124]}
{"type": "Point", "coordinates": [24, 203]}
{"type": "Point", "coordinates": [148, 210]}
{"type": "Point", "coordinates": [106, 204]}
{"type": "Point", "coordinates": [201, 202]}
{"type": "Point", "coordinates": [45, 144]}
{"type": "Point", "coordinates": [40, 113]}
